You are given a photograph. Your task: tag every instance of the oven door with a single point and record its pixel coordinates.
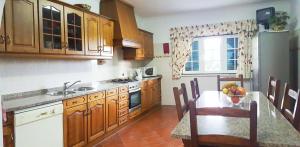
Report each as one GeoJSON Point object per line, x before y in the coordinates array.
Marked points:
{"type": "Point", "coordinates": [134, 99]}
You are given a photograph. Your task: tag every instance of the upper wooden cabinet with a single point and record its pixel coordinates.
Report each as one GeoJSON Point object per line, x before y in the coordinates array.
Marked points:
{"type": "Point", "coordinates": [74, 31]}
{"type": "Point", "coordinates": [21, 26]}
{"type": "Point", "coordinates": [107, 35]}
{"type": "Point", "coordinates": [2, 35]}
{"type": "Point", "coordinates": [92, 36]}
{"type": "Point", "coordinates": [146, 49]}
{"type": "Point", "coordinates": [126, 30]}
{"type": "Point", "coordinates": [51, 16]}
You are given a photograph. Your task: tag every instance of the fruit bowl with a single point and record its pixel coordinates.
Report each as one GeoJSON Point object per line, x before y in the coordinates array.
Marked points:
{"type": "Point", "coordinates": [234, 92]}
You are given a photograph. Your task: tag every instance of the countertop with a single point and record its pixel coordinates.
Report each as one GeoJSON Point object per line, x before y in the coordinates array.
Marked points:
{"type": "Point", "coordinates": [19, 101]}
{"type": "Point", "coordinates": [272, 128]}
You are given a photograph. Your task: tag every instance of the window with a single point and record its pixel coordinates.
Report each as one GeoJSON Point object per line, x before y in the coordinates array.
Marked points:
{"type": "Point", "coordinates": [216, 54]}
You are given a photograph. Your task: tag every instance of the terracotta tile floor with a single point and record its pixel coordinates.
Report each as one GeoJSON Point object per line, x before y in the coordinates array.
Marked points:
{"type": "Point", "coordinates": [153, 130]}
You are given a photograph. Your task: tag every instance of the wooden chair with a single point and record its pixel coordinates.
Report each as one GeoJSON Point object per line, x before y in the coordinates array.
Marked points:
{"type": "Point", "coordinates": [195, 89]}
{"type": "Point", "coordinates": [288, 96]}
{"type": "Point", "coordinates": [182, 107]}
{"type": "Point", "coordinates": [224, 79]}
{"type": "Point", "coordinates": [223, 139]}
{"type": "Point", "coordinates": [273, 91]}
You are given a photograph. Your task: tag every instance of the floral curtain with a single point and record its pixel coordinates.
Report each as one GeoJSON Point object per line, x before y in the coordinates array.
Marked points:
{"type": "Point", "coordinates": [182, 38]}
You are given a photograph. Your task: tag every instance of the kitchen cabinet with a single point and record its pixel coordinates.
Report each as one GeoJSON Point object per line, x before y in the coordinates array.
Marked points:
{"type": "Point", "coordinates": [123, 105]}
{"type": "Point", "coordinates": [146, 51]}
{"type": "Point", "coordinates": [51, 19]}
{"type": "Point", "coordinates": [21, 26]}
{"type": "Point", "coordinates": [74, 31]}
{"type": "Point", "coordinates": [96, 119]}
{"type": "Point", "coordinates": [151, 94]}
{"type": "Point", "coordinates": [107, 35]}
{"type": "Point", "coordinates": [92, 36]}
{"type": "Point", "coordinates": [111, 112]}
{"type": "Point", "coordinates": [2, 34]}
{"type": "Point", "coordinates": [75, 126]}
{"type": "Point", "coordinates": [8, 131]}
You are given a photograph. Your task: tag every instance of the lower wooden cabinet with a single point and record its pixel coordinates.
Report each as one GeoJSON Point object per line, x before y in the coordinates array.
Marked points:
{"type": "Point", "coordinates": [96, 119]}
{"type": "Point", "coordinates": [151, 94]}
{"type": "Point", "coordinates": [111, 112]}
{"type": "Point", "coordinates": [75, 126]}
{"type": "Point", "coordinates": [8, 131]}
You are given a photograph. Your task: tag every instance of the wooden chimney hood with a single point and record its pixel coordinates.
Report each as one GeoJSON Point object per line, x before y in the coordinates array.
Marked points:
{"type": "Point", "coordinates": [126, 33]}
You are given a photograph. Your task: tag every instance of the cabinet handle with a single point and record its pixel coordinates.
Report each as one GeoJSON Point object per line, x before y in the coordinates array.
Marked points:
{"type": "Point", "coordinates": [99, 48]}
{"type": "Point", "coordinates": [8, 39]}
{"type": "Point", "coordinates": [2, 39]}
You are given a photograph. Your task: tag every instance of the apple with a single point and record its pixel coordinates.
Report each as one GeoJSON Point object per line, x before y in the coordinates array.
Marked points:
{"type": "Point", "coordinates": [225, 91]}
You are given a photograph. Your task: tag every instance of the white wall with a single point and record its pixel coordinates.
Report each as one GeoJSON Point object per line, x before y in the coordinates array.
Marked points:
{"type": "Point", "coordinates": [18, 75]}
{"type": "Point", "coordinates": [160, 27]}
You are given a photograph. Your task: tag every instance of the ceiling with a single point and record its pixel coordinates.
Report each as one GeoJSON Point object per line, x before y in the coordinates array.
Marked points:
{"type": "Point", "coordinates": [148, 8]}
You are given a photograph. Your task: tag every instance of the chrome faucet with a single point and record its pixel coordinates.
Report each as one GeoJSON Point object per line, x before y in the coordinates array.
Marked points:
{"type": "Point", "coordinates": [66, 87]}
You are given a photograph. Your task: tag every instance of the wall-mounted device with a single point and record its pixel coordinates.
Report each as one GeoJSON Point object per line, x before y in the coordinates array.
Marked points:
{"type": "Point", "coordinates": [263, 16]}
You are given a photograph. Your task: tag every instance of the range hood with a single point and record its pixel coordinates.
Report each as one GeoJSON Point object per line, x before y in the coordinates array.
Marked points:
{"type": "Point", "coordinates": [126, 33]}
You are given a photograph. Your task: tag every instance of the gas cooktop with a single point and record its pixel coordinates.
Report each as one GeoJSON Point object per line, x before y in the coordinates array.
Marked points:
{"type": "Point", "coordinates": [123, 80]}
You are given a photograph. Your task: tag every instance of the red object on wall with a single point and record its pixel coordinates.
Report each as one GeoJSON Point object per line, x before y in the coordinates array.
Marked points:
{"type": "Point", "coordinates": [166, 48]}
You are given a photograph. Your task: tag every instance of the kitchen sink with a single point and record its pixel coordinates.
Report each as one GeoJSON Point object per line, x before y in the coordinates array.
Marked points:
{"type": "Point", "coordinates": [59, 93]}
{"type": "Point", "coordinates": [84, 89]}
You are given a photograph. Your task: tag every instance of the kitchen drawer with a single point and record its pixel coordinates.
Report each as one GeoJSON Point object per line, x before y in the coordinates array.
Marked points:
{"type": "Point", "coordinates": [114, 97]}
{"type": "Point", "coordinates": [111, 92]}
{"type": "Point", "coordinates": [123, 89]}
{"type": "Point", "coordinates": [123, 104]}
{"type": "Point", "coordinates": [135, 113]}
{"type": "Point", "coordinates": [123, 97]}
{"type": "Point", "coordinates": [123, 119]}
{"type": "Point", "coordinates": [96, 96]}
{"type": "Point", "coordinates": [123, 111]}
{"type": "Point", "coordinates": [75, 101]}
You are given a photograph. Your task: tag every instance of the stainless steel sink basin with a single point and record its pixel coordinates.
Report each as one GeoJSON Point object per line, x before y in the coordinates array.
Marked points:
{"type": "Point", "coordinates": [59, 93]}
{"type": "Point", "coordinates": [84, 89]}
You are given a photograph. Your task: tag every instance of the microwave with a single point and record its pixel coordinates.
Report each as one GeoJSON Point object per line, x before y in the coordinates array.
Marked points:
{"type": "Point", "coordinates": [149, 72]}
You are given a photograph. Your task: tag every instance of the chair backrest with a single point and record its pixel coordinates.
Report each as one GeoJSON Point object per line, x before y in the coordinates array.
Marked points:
{"type": "Point", "coordinates": [195, 89]}
{"type": "Point", "coordinates": [223, 139]}
{"type": "Point", "coordinates": [182, 107]}
{"type": "Point", "coordinates": [289, 96]}
{"type": "Point", "coordinates": [273, 90]}
{"type": "Point", "coordinates": [240, 79]}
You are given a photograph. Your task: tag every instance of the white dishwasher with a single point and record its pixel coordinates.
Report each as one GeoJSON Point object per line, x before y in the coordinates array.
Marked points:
{"type": "Point", "coordinates": [40, 126]}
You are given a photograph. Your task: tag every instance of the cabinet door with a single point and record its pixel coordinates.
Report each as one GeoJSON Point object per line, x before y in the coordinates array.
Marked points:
{"type": "Point", "coordinates": [22, 26]}
{"type": "Point", "coordinates": [92, 37]}
{"type": "Point", "coordinates": [111, 113]}
{"type": "Point", "coordinates": [2, 34]}
{"type": "Point", "coordinates": [140, 51]}
{"type": "Point", "coordinates": [148, 45]}
{"type": "Point", "coordinates": [51, 19]}
{"type": "Point", "coordinates": [96, 119]}
{"type": "Point", "coordinates": [107, 35]}
{"type": "Point", "coordinates": [74, 31]}
{"type": "Point", "coordinates": [75, 126]}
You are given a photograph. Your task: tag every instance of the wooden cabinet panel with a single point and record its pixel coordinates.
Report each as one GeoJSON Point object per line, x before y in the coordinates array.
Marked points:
{"type": "Point", "coordinates": [2, 34]}
{"type": "Point", "coordinates": [123, 120]}
{"type": "Point", "coordinates": [92, 36]}
{"type": "Point", "coordinates": [96, 119]}
{"type": "Point", "coordinates": [96, 96]}
{"type": "Point", "coordinates": [123, 97]}
{"type": "Point", "coordinates": [148, 45]}
{"type": "Point", "coordinates": [111, 112]}
{"type": "Point", "coordinates": [111, 92]}
{"type": "Point", "coordinates": [123, 104]}
{"type": "Point", "coordinates": [74, 31]}
{"type": "Point", "coordinates": [123, 89]}
{"type": "Point", "coordinates": [107, 35]}
{"type": "Point", "coordinates": [123, 111]}
{"type": "Point", "coordinates": [22, 26]}
{"type": "Point", "coordinates": [75, 101]}
{"type": "Point", "coordinates": [8, 130]}
{"type": "Point", "coordinates": [75, 126]}
{"type": "Point", "coordinates": [51, 20]}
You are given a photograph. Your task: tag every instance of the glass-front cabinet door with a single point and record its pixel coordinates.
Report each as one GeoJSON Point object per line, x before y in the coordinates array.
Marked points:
{"type": "Point", "coordinates": [107, 35]}
{"type": "Point", "coordinates": [2, 36]}
{"type": "Point", "coordinates": [74, 31]}
{"type": "Point", "coordinates": [51, 28]}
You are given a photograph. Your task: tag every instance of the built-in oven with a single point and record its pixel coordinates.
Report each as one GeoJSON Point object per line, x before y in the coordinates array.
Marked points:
{"type": "Point", "coordinates": [134, 98]}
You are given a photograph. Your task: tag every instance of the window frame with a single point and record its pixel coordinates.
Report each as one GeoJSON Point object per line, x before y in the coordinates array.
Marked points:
{"type": "Point", "coordinates": [224, 54]}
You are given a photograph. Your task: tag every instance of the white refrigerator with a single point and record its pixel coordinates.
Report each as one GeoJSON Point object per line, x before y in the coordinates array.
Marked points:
{"type": "Point", "coordinates": [271, 56]}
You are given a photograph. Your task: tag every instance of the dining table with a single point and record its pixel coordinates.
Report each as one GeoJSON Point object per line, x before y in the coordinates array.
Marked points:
{"type": "Point", "coordinates": [273, 129]}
